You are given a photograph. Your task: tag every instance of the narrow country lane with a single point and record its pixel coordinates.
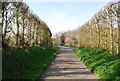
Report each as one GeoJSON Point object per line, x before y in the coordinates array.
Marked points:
{"type": "Point", "coordinates": [67, 66]}
{"type": "Point", "coordinates": [30, 31]}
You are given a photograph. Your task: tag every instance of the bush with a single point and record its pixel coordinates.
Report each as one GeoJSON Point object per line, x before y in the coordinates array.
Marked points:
{"type": "Point", "coordinates": [27, 63]}
{"type": "Point", "coordinates": [102, 63]}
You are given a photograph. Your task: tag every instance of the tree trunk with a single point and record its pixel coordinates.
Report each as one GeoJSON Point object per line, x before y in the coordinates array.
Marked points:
{"type": "Point", "coordinates": [118, 29]}
{"type": "Point", "coordinates": [29, 33]}
{"type": "Point", "coordinates": [37, 33]}
{"type": "Point", "coordinates": [3, 20]}
{"type": "Point", "coordinates": [111, 36]}
{"type": "Point", "coordinates": [23, 25]}
{"type": "Point", "coordinates": [98, 45]}
{"type": "Point", "coordinates": [17, 36]}
{"type": "Point", "coordinates": [33, 34]}
{"type": "Point", "coordinates": [6, 25]}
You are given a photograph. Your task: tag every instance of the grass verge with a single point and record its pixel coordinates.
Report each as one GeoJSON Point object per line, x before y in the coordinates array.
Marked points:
{"type": "Point", "coordinates": [28, 63]}
{"type": "Point", "coordinates": [104, 64]}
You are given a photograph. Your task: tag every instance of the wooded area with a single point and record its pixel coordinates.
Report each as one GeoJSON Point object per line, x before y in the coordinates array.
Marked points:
{"type": "Point", "coordinates": [28, 47]}
{"type": "Point", "coordinates": [101, 31]}
{"type": "Point", "coordinates": [21, 26]}
{"type": "Point", "coordinates": [26, 42]}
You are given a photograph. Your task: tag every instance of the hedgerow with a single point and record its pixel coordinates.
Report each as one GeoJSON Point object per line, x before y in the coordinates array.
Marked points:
{"type": "Point", "coordinates": [102, 63]}
{"type": "Point", "coordinates": [27, 63]}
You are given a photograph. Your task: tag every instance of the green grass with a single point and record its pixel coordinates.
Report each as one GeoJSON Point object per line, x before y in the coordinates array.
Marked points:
{"type": "Point", "coordinates": [104, 64]}
{"type": "Point", "coordinates": [28, 63]}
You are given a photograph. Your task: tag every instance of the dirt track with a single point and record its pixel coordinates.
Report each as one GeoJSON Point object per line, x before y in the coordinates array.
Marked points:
{"type": "Point", "coordinates": [67, 66]}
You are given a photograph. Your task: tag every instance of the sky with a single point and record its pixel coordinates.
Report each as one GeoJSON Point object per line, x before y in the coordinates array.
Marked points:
{"type": "Point", "coordinates": [64, 16]}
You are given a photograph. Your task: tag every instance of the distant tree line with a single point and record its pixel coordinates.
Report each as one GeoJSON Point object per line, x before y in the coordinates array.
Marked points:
{"type": "Point", "coordinates": [101, 31]}
{"type": "Point", "coordinates": [21, 26]}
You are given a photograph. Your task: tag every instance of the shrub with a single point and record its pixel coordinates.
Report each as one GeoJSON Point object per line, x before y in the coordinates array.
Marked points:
{"type": "Point", "coordinates": [27, 63]}
{"type": "Point", "coordinates": [102, 63]}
